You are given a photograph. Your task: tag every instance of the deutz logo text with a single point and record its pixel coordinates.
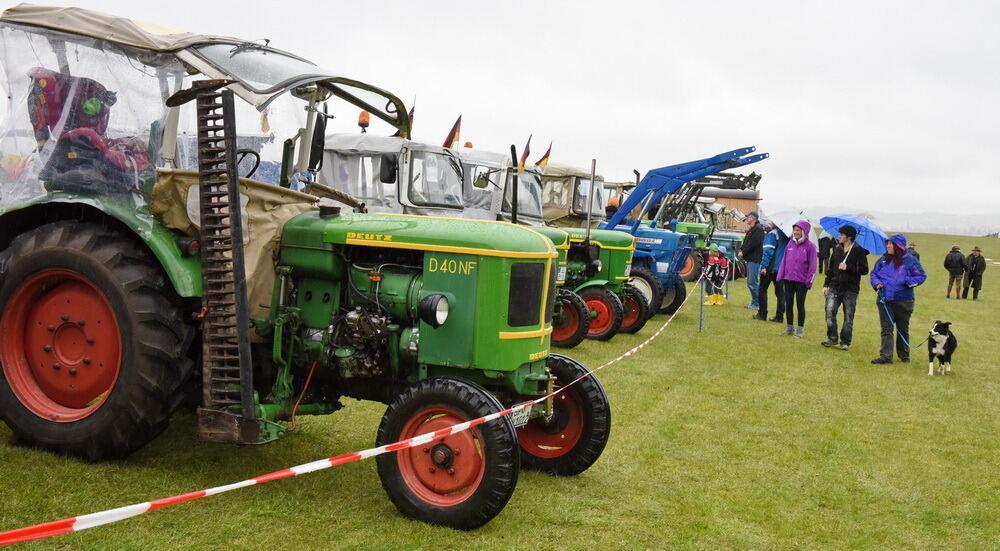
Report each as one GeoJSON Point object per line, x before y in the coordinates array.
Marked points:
{"type": "Point", "coordinates": [369, 236]}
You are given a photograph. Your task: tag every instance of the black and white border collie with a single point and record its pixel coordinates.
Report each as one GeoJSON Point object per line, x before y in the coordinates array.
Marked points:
{"type": "Point", "coordinates": [941, 344]}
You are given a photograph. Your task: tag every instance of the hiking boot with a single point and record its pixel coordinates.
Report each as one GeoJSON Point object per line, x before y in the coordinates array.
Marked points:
{"type": "Point", "coordinates": [881, 360]}
{"type": "Point", "coordinates": [788, 331]}
{"type": "Point", "coordinates": [904, 360]}
{"type": "Point", "coordinates": [829, 343]}
{"type": "Point", "coordinates": [845, 347]}
{"type": "Point", "coordinates": [776, 319]}
{"type": "Point", "coordinates": [759, 317]}
{"type": "Point", "coordinates": [800, 332]}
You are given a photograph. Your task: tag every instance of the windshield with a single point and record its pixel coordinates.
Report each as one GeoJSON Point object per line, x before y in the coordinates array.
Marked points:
{"type": "Point", "coordinates": [259, 69]}
{"type": "Point", "coordinates": [358, 175]}
{"type": "Point", "coordinates": [435, 179]}
{"type": "Point", "coordinates": [529, 193]}
{"type": "Point", "coordinates": [582, 197]}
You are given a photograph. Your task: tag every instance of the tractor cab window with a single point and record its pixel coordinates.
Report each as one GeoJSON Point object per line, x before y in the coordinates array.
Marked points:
{"type": "Point", "coordinates": [262, 69]}
{"type": "Point", "coordinates": [434, 179]}
{"type": "Point", "coordinates": [529, 198]}
{"type": "Point", "coordinates": [480, 183]}
{"type": "Point", "coordinates": [582, 197]}
{"type": "Point", "coordinates": [557, 192]}
{"type": "Point", "coordinates": [358, 175]}
{"type": "Point", "coordinates": [84, 115]}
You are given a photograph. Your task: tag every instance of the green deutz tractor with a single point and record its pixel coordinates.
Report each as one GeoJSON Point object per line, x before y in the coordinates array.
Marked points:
{"type": "Point", "coordinates": [135, 266]}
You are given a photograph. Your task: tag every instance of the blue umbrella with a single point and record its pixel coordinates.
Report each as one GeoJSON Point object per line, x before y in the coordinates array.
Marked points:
{"type": "Point", "coordinates": [870, 236]}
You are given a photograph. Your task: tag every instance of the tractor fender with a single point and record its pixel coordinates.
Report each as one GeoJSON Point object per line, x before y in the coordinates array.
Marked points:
{"type": "Point", "coordinates": [591, 283]}
{"type": "Point", "coordinates": [184, 272]}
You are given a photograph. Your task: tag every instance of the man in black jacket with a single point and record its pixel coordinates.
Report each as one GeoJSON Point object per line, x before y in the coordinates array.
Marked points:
{"type": "Point", "coordinates": [751, 251]}
{"type": "Point", "coordinates": [843, 281]}
{"type": "Point", "coordinates": [975, 265]}
{"type": "Point", "coordinates": [954, 262]}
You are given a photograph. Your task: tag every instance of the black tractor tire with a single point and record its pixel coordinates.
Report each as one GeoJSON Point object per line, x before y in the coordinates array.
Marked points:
{"type": "Point", "coordinates": [461, 481]}
{"type": "Point", "coordinates": [739, 269]}
{"type": "Point", "coordinates": [607, 312]}
{"type": "Point", "coordinates": [582, 418]}
{"type": "Point", "coordinates": [571, 320]}
{"type": "Point", "coordinates": [673, 298]}
{"type": "Point", "coordinates": [636, 310]}
{"type": "Point", "coordinates": [93, 342]}
{"type": "Point", "coordinates": [693, 265]}
{"type": "Point", "coordinates": [643, 279]}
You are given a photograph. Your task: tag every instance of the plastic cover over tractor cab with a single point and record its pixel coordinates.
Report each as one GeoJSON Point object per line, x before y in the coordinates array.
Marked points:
{"type": "Point", "coordinates": [493, 200]}
{"type": "Point", "coordinates": [566, 194]}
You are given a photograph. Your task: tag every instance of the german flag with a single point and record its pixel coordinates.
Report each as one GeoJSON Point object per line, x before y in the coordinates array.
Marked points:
{"type": "Point", "coordinates": [544, 160]}
{"type": "Point", "coordinates": [452, 139]}
{"type": "Point", "coordinates": [524, 156]}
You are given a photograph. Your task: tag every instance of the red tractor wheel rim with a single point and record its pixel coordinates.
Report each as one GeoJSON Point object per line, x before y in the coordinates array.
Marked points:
{"type": "Point", "coordinates": [602, 320]}
{"type": "Point", "coordinates": [60, 345]}
{"type": "Point", "coordinates": [445, 471]}
{"type": "Point", "coordinates": [558, 436]}
{"type": "Point", "coordinates": [631, 310]}
{"type": "Point", "coordinates": [689, 264]}
{"type": "Point", "coordinates": [568, 323]}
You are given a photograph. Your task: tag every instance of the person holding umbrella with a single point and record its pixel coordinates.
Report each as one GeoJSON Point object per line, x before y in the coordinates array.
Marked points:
{"type": "Point", "coordinates": [893, 278]}
{"type": "Point", "coordinates": [843, 282]}
{"type": "Point", "coordinates": [798, 268]}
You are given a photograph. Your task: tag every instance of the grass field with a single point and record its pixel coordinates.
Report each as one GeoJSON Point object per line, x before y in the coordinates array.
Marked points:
{"type": "Point", "coordinates": [732, 438]}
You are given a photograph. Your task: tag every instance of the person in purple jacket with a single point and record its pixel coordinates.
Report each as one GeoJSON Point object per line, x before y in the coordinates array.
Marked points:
{"type": "Point", "coordinates": [798, 267]}
{"type": "Point", "coordinates": [893, 278]}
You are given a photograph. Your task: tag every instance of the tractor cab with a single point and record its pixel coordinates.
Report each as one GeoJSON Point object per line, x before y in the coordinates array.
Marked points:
{"type": "Point", "coordinates": [395, 175]}
{"type": "Point", "coordinates": [566, 196]}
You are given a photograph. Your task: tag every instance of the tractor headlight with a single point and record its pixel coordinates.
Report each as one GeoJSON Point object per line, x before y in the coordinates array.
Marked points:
{"type": "Point", "coordinates": [433, 309]}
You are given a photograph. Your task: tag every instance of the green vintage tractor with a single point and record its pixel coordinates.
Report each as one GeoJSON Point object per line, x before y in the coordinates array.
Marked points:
{"type": "Point", "coordinates": [136, 266]}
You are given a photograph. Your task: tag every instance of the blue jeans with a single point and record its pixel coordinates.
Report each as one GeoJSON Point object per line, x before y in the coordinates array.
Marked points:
{"type": "Point", "coordinates": [849, 299]}
{"type": "Point", "coordinates": [753, 282]}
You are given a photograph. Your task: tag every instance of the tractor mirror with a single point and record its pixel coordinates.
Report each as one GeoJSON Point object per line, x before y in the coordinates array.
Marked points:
{"type": "Point", "coordinates": [387, 169]}
{"type": "Point", "coordinates": [481, 182]}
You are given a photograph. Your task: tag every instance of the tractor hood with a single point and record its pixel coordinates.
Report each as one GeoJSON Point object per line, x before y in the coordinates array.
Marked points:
{"type": "Point", "coordinates": [450, 235]}
{"type": "Point", "coordinates": [607, 239]}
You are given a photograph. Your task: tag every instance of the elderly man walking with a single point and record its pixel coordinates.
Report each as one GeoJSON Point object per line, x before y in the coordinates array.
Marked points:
{"type": "Point", "coordinates": [954, 262]}
{"type": "Point", "coordinates": [975, 265]}
{"type": "Point", "coordinates": [751, 251]}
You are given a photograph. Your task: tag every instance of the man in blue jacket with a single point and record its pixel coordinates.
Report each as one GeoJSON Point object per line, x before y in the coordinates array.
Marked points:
{"type": "Point", "coordinates": [893, 278]}
{"type": "Point", "coordinates": [774, 249]}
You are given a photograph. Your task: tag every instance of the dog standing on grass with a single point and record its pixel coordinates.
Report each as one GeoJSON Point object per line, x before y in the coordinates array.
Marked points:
{"type": "Point", "coordinates": [941, 344]}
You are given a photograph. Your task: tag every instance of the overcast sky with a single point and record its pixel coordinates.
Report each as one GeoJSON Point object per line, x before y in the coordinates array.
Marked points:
{"type": "Point", "coordinates": [889, 106]}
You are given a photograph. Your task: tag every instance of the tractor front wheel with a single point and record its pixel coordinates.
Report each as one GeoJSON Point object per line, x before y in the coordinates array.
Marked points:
{"type": "Point", "coordinates": [673, 298]}
{"type": "Point", "coordinates": [606, 312]}
{"type": "Point", "coordinates": [636, 310]}
{"type": "Point", "coordinates": [574, 437]}
{"type": "Point", "coordinates": [571, 320]}
{"type": "Point", "coordinates": [646, 282]}
{"type": "Point", "coordinates": [461, 480]}
{"type": "Point", "coordinates": [92, 342]}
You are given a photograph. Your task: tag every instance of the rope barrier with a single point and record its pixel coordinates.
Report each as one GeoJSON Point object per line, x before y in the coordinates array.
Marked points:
{"type": "Point", "coordinates": [92, 520]}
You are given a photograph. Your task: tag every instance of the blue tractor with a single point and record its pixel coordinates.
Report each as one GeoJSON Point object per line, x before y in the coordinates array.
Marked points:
{"type": "Point", "coordinates": [660, 251]}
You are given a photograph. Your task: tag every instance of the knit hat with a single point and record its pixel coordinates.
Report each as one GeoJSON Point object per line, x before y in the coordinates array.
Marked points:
{"type": "Point", "coordinates": [849, 231]}
{"type": "Point", "coordinates": [713, 247]}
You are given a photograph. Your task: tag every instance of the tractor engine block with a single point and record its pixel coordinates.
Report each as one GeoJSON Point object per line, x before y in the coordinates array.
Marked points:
{"type": "Point", "coordinates": [361, 344]}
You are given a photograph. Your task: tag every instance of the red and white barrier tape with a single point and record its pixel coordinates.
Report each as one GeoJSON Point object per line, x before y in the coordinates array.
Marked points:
{"type": "Point", "coordinates": [75, 524]}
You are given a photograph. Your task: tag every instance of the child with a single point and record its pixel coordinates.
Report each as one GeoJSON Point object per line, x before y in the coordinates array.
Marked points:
{"type": "Point", "coordinates": [716, 274]}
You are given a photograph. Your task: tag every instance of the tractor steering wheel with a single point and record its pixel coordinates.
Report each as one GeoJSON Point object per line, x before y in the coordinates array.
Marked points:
{"type": "Point", "coordinates": [242, 154]}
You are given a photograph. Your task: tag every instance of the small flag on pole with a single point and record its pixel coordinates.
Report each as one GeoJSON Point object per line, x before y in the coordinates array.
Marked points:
{"type": "Point", "coordinates": [399, 133]}
{"type": "Point", "coordinates": [524, 156]}
{"type": "Point", "coordinates": [453, 136]}
{"type": "Point", "coordinates": [544, 161]}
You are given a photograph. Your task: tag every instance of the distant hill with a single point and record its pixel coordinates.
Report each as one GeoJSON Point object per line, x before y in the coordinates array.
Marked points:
{"type": "Point", "coordinates": [928, 222]}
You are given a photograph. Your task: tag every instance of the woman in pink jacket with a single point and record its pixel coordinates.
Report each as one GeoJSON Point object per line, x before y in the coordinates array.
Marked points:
{"type": "Point", "coordinates": [797, 270]}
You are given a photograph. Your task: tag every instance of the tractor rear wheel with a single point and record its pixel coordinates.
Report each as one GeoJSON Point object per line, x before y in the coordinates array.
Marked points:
{"type": "Point", "coordinates": [462, 480]}
{"type": "Point", "coordinates": [636, 310]}
{"type": "Point", "coordinates": [92, 342]}
{"type": "Point", "coordinates": [606, 312]}
{"type": "Point", "coordinates": [570, 321]}
{"type": "Point", "coordinates": [673, 298]}
{"type": "Point", "coordinates": [646, 282]}
{"type": "Point", "coordinates": [692, 266]}
{"type": "Point", "coordinates": [574, 438]}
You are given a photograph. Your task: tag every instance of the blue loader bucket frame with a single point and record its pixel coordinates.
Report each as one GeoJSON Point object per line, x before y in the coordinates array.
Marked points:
{"type": "Point", "coordinates": [661, 250]}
